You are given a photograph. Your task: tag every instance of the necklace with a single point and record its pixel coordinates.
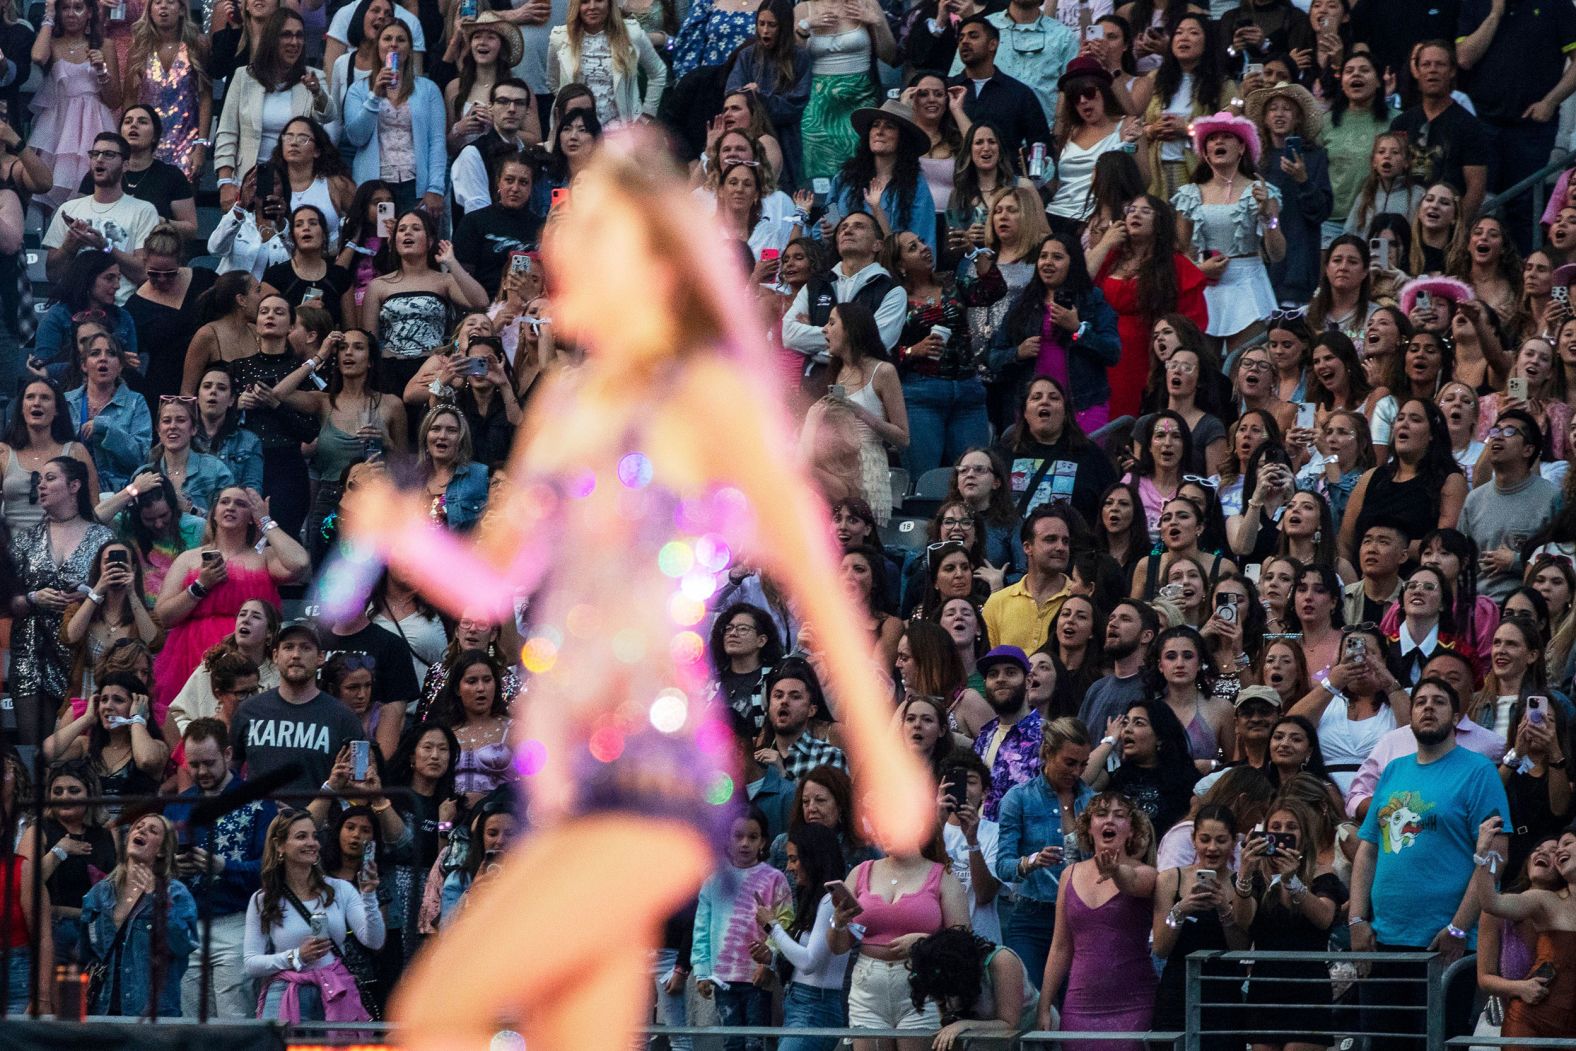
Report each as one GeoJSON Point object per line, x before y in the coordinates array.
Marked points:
{"type": "Point", "coordinates": [131, 184]}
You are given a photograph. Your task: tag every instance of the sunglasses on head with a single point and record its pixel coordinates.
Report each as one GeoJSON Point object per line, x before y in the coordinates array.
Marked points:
{"type": "Point", "coordinates": [90, 314]}
{"type": "Point", "coordinates": [1198, 479]}
{"type": "Point", "coordinates": [187, 398]}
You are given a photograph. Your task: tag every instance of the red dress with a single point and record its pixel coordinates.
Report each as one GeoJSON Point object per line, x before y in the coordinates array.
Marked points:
{"type": "Point", "coordinates": [1133, 323]}
{"type": "Point", "coordinates": [210, 620]}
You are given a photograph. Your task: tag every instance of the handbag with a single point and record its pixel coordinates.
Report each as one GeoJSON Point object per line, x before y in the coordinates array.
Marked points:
{"type": "Point", "coordinates": [107, 969]}
{"type": "Point", "coordinates": [1490, 1021]}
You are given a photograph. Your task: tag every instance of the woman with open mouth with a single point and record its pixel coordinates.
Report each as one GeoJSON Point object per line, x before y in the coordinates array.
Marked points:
{"type": "Point", "coordinates": [1226, 215]}
{"type": "Point", "coordinates": [1538, 367]}
{"type": "Point", "coordinates": [1505, 947]}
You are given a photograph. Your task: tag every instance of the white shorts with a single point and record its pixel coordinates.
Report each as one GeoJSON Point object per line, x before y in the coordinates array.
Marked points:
{"type": "Point", "coordinates": [879, 998]}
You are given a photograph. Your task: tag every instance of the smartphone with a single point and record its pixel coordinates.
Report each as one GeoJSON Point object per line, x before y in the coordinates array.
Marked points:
{"type": "Point", "coordinates": [842, 897]}
{"type": "Point", "coordinates": [472, 367]}
{"type": "Point", "coordinates": [560, 196]}
{"type": "Point", "coordinates": [1306, 414]}
{"type": "Point", "coordinates": [1171, 591]}
{"type": "Point", "coordinates": [1355, 649]}
{"type": "Point", "coordinates": [1294, 146]}
{"type": "Point", "coordinates": [1206, 876]}
{"type": "Point", "coordinates": [319, 924]}
{"type": "Point", "coordinates": [1226, 607]}
{"type": "Point", "coordinates": [360, 758]}
{"type": "Point", "coordinates": [1280, 841]}
{"type": "Point", "coordinates": [1537, 708]}
{"type": "Point", "coordinates": [769, 255]}
{"type": "Point", "coordinates": [265, 184]}
{"type": "Point", "coordinates": [1516, 388]}
{"type": "Point", "coordinates": [837, 392]}
{"type": "Point", "coordinates": [821, 187]}
{"type": "Point", "coordinates": [119, 558]}
{"type": "Point", "coordinates": [1425, 301]}
{"type": "Point", "coordinates": [1094, 34]}
{"type": "Point", "coordinates": [957, 779]}
{"type": "Point", "coordinates": [1253, 68]}
{"type": "Point", "coordinates": [385, 218]}
{"type": "Point", "coordinates": [1379, 250]}
{"type": "Point", "coordinates": [1546, 971]}
{"type": "Point", "coordinates": [211, 558]}
{"type": "Point", "coordinates": [310, 296]}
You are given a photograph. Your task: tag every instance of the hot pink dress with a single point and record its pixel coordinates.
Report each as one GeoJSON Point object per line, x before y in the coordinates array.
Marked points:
{"type": "Point", "coordinates": [211, 620]}
{"type": "Point", "coordinates": [67, 115]}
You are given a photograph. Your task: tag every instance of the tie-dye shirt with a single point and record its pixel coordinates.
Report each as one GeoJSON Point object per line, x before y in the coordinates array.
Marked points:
{"type": "Point", "coordinates": [725, 920]}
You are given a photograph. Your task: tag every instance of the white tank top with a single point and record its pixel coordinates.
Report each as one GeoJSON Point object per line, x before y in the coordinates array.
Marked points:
{"type": "Point", "coordinates": [317, 194]}
{"type": "Point", "coordinates": [1347, 742]}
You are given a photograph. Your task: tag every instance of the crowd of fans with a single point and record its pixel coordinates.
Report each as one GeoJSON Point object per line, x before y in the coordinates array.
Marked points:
{"type": "Point", "coordinates": [1282, 664]}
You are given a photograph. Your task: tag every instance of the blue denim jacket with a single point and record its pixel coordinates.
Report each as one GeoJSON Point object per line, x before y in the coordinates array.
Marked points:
{"type": "Point", "coordinates": [136, 954]}
{"type": "Point", "coordinates": [205, 476]}
{"type": "Point", "coordinates": [52, 341]}
{"type": "Point", "coordinates": [122, 433]}
{"type": "Point", "coordinates": [242, 452]}
{"type": "Point", "coordinates": [466, 496]}
{"type": "Point", "coordinates": [1030, 816]}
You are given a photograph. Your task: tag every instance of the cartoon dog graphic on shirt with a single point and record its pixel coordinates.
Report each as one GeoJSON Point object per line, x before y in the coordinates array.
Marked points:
{"type": "Point", "coordinates": [1400, 820]}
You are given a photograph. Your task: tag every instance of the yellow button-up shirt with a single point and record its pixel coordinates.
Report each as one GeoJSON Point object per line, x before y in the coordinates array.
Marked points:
{"type": "Point", "coordinates": [1014, 618]}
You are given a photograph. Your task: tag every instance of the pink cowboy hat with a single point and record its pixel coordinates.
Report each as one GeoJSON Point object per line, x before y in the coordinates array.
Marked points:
{"type": "Point", "coordinates": [1440, 287]}
{"type": "Point", "coordinates": [1231, 124]}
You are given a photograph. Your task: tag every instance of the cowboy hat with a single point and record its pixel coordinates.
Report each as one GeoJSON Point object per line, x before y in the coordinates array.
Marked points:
{"type": "Point", "coordinates": [1311, 122]}
{"type": "Point", "coordinates": [508, 32]}
{"type": "Point", "coordinates": [1245, 131]}
{"type": "Point", "coordinates": [899, 113]}
{"type": "Point", "coordinates": [1440, 287]}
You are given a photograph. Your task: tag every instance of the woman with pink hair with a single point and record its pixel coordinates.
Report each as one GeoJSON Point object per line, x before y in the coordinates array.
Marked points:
{"type": "Point", "coordinates": [1226, 214]}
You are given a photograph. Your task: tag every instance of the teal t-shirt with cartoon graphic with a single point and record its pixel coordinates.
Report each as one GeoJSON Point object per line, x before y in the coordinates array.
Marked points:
{"type": "Point", "coordinates": [1424, 819]}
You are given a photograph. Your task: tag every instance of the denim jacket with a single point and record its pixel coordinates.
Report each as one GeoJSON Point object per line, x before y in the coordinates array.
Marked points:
{"type": "Point", "coordinates": [1088, 356]}
{"type": "Point", "coordinates": [136, 953]}
{"type": "Point", "coordinates": [242, 452]}
{"type": "Point", "coordinates": [52, 341]}
{"type": "Point", "coordinates": [1030, 817]}
{"type": "Point", "coordinates": [122, 433]}
{"type": "Point", "coordinates": [206, 475]}
{"type": "Point", "coordinates": [466, 496]}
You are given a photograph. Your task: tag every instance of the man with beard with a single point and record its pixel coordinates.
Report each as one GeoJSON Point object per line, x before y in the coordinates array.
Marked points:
{"type": "Point", "coordinates": [793, 698]}
{"type": "Point", "coordinates": [1411, 879]}
{"type": "Point", "coordinates": [1010, 743]}
{"type": "Point", "coordinates": [1129, 630]}
{"type": "Point", "coordinates": [295, 722]}
{"type": "Point", "coordinates": [111, 220]}
{"type": "Point", "coordinates": [232, 849]}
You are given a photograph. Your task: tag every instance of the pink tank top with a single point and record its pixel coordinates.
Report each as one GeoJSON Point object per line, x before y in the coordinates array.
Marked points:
{"type": "Point", "coordinates": [917, 913]}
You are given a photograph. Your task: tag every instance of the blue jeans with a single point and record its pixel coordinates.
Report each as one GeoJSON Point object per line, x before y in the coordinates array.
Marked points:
{"type": "Point", "coordinates": [18, 965]}
{"type": "Point", "coordinates": [670, 1007]}
{"type": "Point", "coordinates": [1029, 935]}
{"type": "Point", "coordinates": [743, 1004]}
{"type": "Point", "coordinates": [807, 1007]}
{"type": "Point", "coordinates": [945, 417]}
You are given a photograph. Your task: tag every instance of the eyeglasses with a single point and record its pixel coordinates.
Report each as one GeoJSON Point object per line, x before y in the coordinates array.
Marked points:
{"type": "Point", "coordinates": [740, 629]}
{"type": "Point", "coordinates": [296, 138]}
{"type": "Point", "coordinates": [1198, 479]}
{"type": "Point", "coordinates": [1504, 432]}
{"type": "Point", "coordinates": [504, 102]}
{"type": "Point", "coordinates": [90, 314]}
{"type": "Point", "coordinates": [951, 522]}
{"type": "Point", "coordinates": [1186, 368]}
{"type": "Point", "coordinates": [1428, 587]}
{"type": "Point", "coordinates": [1256, 365]}
{"type": "Point", "coordinates": [973, 470]}
{"type": "Point", "coordinates": [104, 155]}
{"type": "Point", "coordinates": [1288, 315]}
{"type": "Point", "coordinates": [187, 398]}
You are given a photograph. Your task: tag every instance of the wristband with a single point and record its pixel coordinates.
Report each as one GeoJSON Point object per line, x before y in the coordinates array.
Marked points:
{"type": "Point", "coordinates": [94, 597]}
{"type": "Point", "coordinates": [1491, 861]}
{"type": "Point", "coordinates": [1356, 920]}
{"type": "Point", "coordinates": [266, 523]}
{"type": "Point", "coordinates": [1456, 932]}
{"type": "Point", "coordinates": [1108, 741]}
{"type": "Point", "coordinates": [445, 827]}
{"type": "Point", "coordinates": [59, 852]}
{"type": "Point", "coordinates": [196, 591]}
{"type": "Point", "coordinates": [229, 181]}
{"type": "Point", "coordinates": [1272, 223]}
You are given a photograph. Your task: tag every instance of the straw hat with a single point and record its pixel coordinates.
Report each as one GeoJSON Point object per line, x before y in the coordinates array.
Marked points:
{"type": "Point", "coordinates": [513, 43]}
{"type": "Point", "coordinates": [1312, 120]}
{"type": "Point", "coordinates": [899, 113]}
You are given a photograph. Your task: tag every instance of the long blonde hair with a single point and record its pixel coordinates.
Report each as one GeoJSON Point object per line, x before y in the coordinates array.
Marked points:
{"type": "Point", "coordinates": [624, 58]}
{"type": "Point", "coordinates": [145, 42]}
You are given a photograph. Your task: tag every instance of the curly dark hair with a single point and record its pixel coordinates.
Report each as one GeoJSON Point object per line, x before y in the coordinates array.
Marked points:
{"type": "Point", "coordinates": [446, 707]}
{"type": "Point", "coordinates": [948, 967]}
